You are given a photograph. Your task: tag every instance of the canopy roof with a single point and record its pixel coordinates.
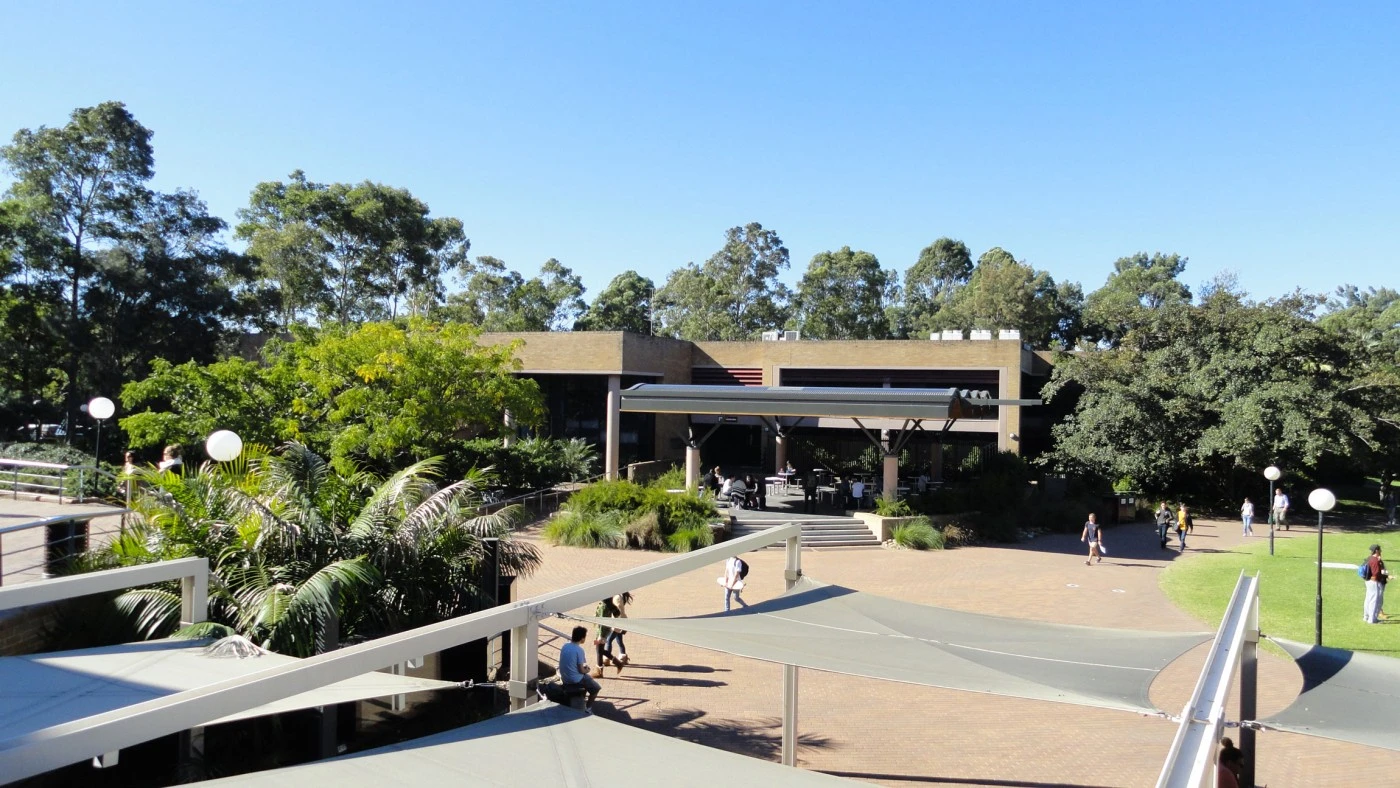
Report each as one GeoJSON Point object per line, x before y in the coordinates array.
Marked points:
{"type": "Point", "coordinates": [43, 690]}
{"type": "Point", "coordinates": [543, 746]}
{"type": "Point", "coordinates": [857, 403]}
{"type": "Point", "coordinates": [839, 630]}
{"type": "Point", "coordinates": [1347, 696]}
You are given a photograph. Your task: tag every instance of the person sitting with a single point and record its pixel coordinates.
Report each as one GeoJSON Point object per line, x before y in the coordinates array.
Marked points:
{"type": "Point", "coordinates": [725, 487]}
{"type": "Point", "coordinates": [738, 492]}
{"type": "Point", "coordinates": [573, 668]}
{"type": "Point", "coordinates": [757, 493]}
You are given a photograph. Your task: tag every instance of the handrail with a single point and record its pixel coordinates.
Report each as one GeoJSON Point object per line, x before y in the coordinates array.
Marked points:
{"type": "Point", "coordinates": [55, 589]}
{"type": "Point", "coordinates": [63, 518]}
{"type": "Point", "coordinates": [15, 470]}
{"type": "Point", "coordinates": [76, 741]}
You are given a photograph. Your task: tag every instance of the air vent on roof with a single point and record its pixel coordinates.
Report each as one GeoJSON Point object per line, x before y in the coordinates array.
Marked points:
{"type": "Point", "coordinates": [1009, 333]}
{"type": "Point", "coordinates": [952, 334]}
{"type": "Point", "coordinates": [791, 336]}
{"type": "Point", "coordinates": [981, 334]}
{"type": "Point", "coordinates": [771, 336]}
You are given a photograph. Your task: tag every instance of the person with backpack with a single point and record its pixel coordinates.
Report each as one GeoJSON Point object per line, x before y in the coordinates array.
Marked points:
{"type": "Point", "coordinates": [1164, 523]}
{"type": "Point", "coordinates": [1373, 571]}
{"type": "Point", "coordinates": [620, 601]}
{"type": "Point", "coordinates": [735, 570]}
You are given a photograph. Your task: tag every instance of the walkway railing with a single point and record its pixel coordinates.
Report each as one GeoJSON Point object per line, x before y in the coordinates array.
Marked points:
{"type": "Point", "coordinates": [50, 478]}
{"type": "Point", "coordinates": [538, 503]}
{"type": "Point", "coordinates": [64, 536]}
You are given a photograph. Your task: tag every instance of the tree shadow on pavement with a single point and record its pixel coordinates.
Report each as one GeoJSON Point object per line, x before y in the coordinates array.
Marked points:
{"type": "Point", "coordinates": [759, 738]}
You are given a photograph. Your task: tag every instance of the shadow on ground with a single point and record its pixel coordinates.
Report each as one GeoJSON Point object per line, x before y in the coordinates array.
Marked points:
{"type": "Point", "coordinates": [761, 738]}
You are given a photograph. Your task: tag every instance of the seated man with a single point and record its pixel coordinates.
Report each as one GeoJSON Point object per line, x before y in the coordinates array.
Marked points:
{"type": "Point", "coordinates": [738, 491]}
{"type": "Point", "coordinates": [573, 668]}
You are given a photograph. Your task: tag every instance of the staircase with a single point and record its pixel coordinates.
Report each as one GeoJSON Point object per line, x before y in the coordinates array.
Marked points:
{"type": "Point", "coordinates": [824, 532]}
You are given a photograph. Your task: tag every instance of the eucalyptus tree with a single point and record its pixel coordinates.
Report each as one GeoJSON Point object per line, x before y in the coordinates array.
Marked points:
{"type": "Point", "coordinates": [497, 298]}
{"type": "Point", "coordinates": [624, 305]}
{"type": "Point", "coordinates": [1006, 293]}
{"type": "Point", "coordinates": [1138, 284]}
{"type": "Point", "coordinates": [735, 295]}
{"type": "Point", "coordinates": [943, 267]}
{"type": "Point", "coordinates": [844, 295]}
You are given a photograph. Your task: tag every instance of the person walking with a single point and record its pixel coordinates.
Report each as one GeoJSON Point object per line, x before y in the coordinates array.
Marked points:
{"type": "Point", "coordinates": [1247, 515]}
{"type": "Point", "coordinates": [620, 601]}
{"type": "Point", "coordinates": [809, 492]}
{"type": "Point", "coordinates": [1183, 519]}
{"type": "Point", "coordinates": [1093, 536]}
{"type": "Point", "coordinates": [1280, 508]}
{"type": "Point", "coordinates": [1389, 508]}
{"type": "Point", "coordinates": [1376, 576]}
{"type": "Point", "coordinates": [603, 638]}
{"type": "Point", "coordinates": [1165, 518]}
{"type": "Point", "coordinates": [735, 570]}
{"type": "Point", "coordinates": [573, 668]}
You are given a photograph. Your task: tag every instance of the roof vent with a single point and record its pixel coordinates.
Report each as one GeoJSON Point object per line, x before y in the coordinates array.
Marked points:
{"type": "Point", "coordinates": [952, 334]}
{"type": "Point", "coordinates": [771, 336]}
{"type": "Point", "coordinates": [981, 334]}
{"type": "Point", "coordinates": [791, 336]}
{"type": "Point", "coordinates": [1009, 333]}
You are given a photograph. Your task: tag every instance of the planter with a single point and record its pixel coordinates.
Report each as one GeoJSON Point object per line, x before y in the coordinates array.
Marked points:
{"type": "Point", "coordinates": [883, 527]}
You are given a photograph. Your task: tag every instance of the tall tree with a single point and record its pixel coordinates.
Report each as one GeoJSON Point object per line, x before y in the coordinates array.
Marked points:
{"type": "Point", "coordinates": [735, 295]}
{"type": "Point", "coordinates": [930, 283]}
{"type": "Point", "coordinates": [624, 305]}
{"type": "Point", "coordinates": [1367, 323]}
{"type": "Point", "coordinates": [499, 299]}
{"type": "Point", "coordinates": [78, 188]}
{"type": "Point", "coordinates": [343, 253]}
{"type": "Point", "coordinates": [843, 295]}
{"type": "Point", "coordinates": [1006, 293]}
{"type": "Point", "coordinates": [1138, 284]}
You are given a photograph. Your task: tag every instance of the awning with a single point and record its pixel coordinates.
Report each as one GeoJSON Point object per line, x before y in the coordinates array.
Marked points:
{"type": "Point", "coordinates": [1347, 696]}
{"type": "Point", "coordinates": [542, 747]}
{"type": "Point", "coordinates": [772, 401]}
{"type": "Point", "coordinates": [840, 630]}
{"type": "Point", "coordinates": [43, 690]}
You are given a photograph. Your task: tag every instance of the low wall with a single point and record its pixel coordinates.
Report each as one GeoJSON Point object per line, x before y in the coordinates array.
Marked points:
{"type": "Point", "coordinates": [22, 631]}
{"type": "Point", "coordinates": [643, 472]}
{"type": "Point", "coordinates": [883, 527]}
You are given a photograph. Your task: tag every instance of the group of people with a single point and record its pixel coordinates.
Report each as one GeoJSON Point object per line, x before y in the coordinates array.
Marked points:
{"type": "Point", "coordinates": [747, 492]}
{"type": "Point", "coordinates": [574, 670]}
{"type": "Point", "coordinates": [1181, 518]}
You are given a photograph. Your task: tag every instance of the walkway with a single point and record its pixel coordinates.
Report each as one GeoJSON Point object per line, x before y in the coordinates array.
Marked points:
{"type": "Point", "coordinates": [896, 734]}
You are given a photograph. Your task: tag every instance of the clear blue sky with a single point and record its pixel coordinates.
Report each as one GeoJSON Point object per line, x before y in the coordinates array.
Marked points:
{"type": "Point", "coordinates": [1258, 138]}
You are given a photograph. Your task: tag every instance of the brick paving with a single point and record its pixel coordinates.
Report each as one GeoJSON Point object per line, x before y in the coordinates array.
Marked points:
{"type": "Point", "coordinates": [897, 734]}
{"type": "Point", "coordinates": [21, 556]}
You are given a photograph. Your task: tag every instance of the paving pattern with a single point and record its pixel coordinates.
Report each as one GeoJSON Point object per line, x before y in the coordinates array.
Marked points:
{"type": "Point", "coordinates": [896, 734]}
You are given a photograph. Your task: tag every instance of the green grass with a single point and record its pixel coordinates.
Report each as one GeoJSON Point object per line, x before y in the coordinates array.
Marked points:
{"type": "Point", "coordinates": [1201, 584]}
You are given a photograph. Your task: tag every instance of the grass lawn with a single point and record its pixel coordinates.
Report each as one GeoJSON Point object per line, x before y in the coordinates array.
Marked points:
{"type": "Point", "coordinates": [1201, 584]}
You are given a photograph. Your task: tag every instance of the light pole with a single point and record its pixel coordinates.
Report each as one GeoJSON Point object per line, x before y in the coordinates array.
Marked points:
{"type": "Point", "coordinates": [1271, 473]}
{"type": "Point", "coordinates": [1322, 500]}
{"type": "Point", "coordinates": [223, 445]}
{"type": "Point", "coordinates": [100, 408]}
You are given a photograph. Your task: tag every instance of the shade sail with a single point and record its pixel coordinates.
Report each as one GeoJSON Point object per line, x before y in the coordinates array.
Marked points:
{"type": "Point", "coordinates": [836, 629]}
{"type": "Point", "coordinates": [1347, 696]}
{"type": "Point", "coordinates": [42, 690]}
{"type": "Point", "coordinates": [542, 747]}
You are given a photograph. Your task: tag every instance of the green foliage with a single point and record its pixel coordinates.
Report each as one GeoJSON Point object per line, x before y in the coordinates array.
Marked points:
{"type": "Point", "coordinates": [644, 532]}
{"type": "Point", "coordinates": [608, 496]}
{"type": "Point", "coordinates": [87, 484]}
{"type": "Point", "coordinates": [576, 529]}
{"type": "Point", "coordinates": [888, 508]}
{"type": "Point", "coordinates": [529, 464]}
{"type": "Point", "coordinates": [690, 537]}
{"type": "Point", "coordinates": [1005, 293]}
{"type": "Point", "coordinates": [672, 479]}
{"type": "Point", "coordinates": [918, 534]}
{"type": "Point", "coordinates": [496, 299]}
{"type": "Point", "coordinates": [1138, 285]}
{"type": "Point", "coordinates": [735, 295]}
{"type": "Point", "coordinates": [624, 305]}
{"type": "Point", "coordinates": [943, 267]}
{"type": "Point", "coordinates": [844, 295]}
{"type": "Point", "coordinates": [647, 517]}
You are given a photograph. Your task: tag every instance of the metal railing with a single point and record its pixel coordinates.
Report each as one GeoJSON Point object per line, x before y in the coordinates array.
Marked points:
{"type": "Point", "coordinates": [538, 503]}
{"type": "Point", "coordinates": [65, 536]}
{"type": "Point", "coordinates": [32, 477]}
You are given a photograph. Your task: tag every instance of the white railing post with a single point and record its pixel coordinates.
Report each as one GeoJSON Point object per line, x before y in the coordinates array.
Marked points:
{"type": "Point", "coordinates": [194, 597]}
{"type": "Point", "coordinates": [524, 663]}
{"type": "Point", "coordinates": [791, 574]}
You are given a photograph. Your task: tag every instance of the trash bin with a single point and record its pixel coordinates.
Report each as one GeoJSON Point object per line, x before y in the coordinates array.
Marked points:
{"type": "Point", "coordinates": [1127, 507]}
{"type": "Point", "coordinates": [62, 541]}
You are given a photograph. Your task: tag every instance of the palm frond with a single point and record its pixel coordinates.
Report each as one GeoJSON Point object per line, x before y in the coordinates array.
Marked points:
{"type": "Point", "coordinates": [153, 611]}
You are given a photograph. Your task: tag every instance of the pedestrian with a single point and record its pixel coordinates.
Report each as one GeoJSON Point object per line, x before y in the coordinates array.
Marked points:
{"type": "Point", "coordinates": [1247, 515]}
{"type": "Point", "coordinates": [735, 570]}
{"type": "Point", "coordinates": [715, 480]}
{"type": "Point", "coordinates": [758, 493]}
{"type": "Point", "coordinates": [603, 638]}
{"type": "Point", "coordinates": [170, 459]}
{"type": "Point", "coordinates": [1280, 508]}
{"type": "Point", "coordinates": [857, 494]}
{"type": "Point", "coordinates": [1093, 535]}
{"type": "Point", "coordinates": [1390, 508]}
{"type": "Point", "coordinates": [1376, 576]}
{"type": "Point", "coordinates": [809, 492]}
{"type": "Point", "coordinates": [620, 601]}
{"type": "Point", "coordinates": [1183, 518]}
{"type": "Point", "coordinates": [573, 668]}
{"type": "Point", "coordinates": [1165, 518]}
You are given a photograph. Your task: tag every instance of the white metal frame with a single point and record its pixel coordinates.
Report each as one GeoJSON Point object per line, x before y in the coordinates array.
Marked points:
{"type": "Point", "coordinates": [193, 574]}
{"type": "Point", "coordinates": [76, 741]}
{"type": "Point", "coordinates": [1191, 759]}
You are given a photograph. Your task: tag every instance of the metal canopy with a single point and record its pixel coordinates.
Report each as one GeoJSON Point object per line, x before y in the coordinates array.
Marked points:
{"type": "Point", "coordinates": [1347, 696]}
{"type": "Point", "coordinates": [862, 403]}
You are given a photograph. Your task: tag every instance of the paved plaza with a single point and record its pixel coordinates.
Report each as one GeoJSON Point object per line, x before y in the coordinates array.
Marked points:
{"type": "Point", "coordinates": [898, 734]}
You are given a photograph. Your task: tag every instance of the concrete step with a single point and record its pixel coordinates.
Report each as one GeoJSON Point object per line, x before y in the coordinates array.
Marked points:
{"type": "Point", "coordinates": [831, 532]}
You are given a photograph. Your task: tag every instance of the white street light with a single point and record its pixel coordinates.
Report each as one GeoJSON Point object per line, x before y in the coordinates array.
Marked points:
{"type": "Point", "coordinates": [223, 446]}
{"type": "Point", "coordinates": [1322, 500]}
{"type": "Point", "coordinates": [1271, 473]}
{"type": "Point", "coordinates": [100, 408]}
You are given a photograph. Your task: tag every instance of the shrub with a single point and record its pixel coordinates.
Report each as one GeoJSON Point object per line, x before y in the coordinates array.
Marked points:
{"type": "Point", "coordinates": [645, 532]}
{"type": "Point", "coordinates": [957, 535]}
{"type": "Point", "coordinates": [691, 537]}
{"type": "Point", "coordinates": [888, 508]}
{"type": "Point", "coordinates": [673, 479]}
{"type": "Point", "coordinates": [609, 496]}
{"type": "Point", "coordinates": [918, 534]}
{"type": "Point", "coordinates": [578, 530]}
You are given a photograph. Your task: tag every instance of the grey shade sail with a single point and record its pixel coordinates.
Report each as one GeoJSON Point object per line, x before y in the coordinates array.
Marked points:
{"type": "Point", "coordinates": [1347, 696]}
{"type": "Point", "coordinates": [836, 629]}
{"type": "Point", "coordinates": [857, 403]}
{"type": "Point", "coordinates": [43, 690]}
{"type": "Point", "coordinates": [541, 747]}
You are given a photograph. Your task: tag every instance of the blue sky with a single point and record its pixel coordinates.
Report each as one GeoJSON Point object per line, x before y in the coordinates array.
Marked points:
{"type": "Point", "coordinates": [1256, 138]}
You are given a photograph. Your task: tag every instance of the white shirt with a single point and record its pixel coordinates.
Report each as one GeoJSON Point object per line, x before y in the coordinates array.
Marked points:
{"type": "Point", "coordinates": [1247, 510]}
{"type": "Point", "coordinates": [858, 490]}
{"type": "Point", "coordinates": [732, 580]}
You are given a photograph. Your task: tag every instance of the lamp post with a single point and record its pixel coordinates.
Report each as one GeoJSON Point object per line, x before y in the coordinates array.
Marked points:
{"type": "Point", "coordinates": [1322, 500]}
{"type": "Point", "coordinates": [1271, 473]}
{"type": "Point", "coordinates": [100, 408]}
{"type": "Point", "coordinates": [223, 445]}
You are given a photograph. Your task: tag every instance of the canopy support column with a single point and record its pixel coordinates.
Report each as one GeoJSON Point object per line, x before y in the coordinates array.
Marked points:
{"type": "Point", "coordinates": [891, 479]}
{"type": "Point", "coordinates": [791, 575]}
{"type": "Point", "coordinates": [1249, 690]}
{"type": "Point", "coordinates": [692, 467]}
{"type": "Point", "coordinates": [524, 663]}
{"type": "Point", "coordinates": [613, 427]}
{"type": "Point", "coordinates": [779, 453]}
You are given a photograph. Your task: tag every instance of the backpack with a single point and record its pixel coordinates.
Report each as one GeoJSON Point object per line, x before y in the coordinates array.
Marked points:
{"type": "Point", "coordinates": [1364, 571]}
{"type": "Point", "coordinates": [743, 568]}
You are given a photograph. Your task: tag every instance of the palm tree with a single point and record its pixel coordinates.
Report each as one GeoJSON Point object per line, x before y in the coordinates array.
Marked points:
{"type": "Point", "coordinates": [302, 553]}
